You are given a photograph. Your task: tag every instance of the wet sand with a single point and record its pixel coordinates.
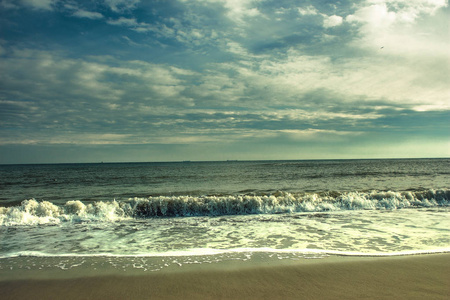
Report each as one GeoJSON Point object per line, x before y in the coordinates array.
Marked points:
{"type": "Point", "coordinates": [412, 277]}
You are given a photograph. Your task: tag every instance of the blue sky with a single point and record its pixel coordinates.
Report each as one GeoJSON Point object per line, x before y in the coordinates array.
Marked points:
{"type": "Point", "coordinates": [134, 80]}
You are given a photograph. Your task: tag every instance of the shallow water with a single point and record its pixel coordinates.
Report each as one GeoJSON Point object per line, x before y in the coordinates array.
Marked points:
{"type": "Point", "coordinates": [218, 210]}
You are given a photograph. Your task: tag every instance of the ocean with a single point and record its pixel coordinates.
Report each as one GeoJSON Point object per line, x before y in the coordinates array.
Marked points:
{"type": "Point", "coordinates": [152, 216]}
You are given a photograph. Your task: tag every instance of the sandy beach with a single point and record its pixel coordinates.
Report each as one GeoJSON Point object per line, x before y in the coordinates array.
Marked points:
{"type": "Point", "coordinates": [412, 277]}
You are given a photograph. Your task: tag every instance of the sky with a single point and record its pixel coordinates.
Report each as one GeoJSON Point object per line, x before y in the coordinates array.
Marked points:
{"type": "Point", "coordinates": [174, 80]}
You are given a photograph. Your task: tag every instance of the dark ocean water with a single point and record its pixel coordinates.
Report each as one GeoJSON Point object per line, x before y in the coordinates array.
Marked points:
{"type": "Point", "coordinates": [346, 207]}
{"type": "Point", "coordinates": [59, 183]}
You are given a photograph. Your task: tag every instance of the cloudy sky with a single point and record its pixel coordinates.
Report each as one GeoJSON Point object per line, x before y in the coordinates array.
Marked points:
{"type": "Point", "coordinates": [135, 80]}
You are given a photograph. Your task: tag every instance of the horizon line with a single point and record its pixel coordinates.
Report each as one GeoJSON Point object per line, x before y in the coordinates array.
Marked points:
{"type": "Point", "coordinates": [212, 161]}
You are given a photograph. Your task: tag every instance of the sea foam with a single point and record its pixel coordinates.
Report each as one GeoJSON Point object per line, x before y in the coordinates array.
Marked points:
{"type": "Point", "coordinates": [32, 212]}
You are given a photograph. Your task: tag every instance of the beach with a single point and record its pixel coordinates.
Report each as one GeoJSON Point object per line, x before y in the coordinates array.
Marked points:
{"type": "Point", "coordinates": [329, 229]}
{"type": "Point", "coordinates": [399, 277]}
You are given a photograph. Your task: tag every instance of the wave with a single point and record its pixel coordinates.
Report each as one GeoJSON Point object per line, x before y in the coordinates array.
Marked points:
{"type": "Point", "coordinates": [31, 211]}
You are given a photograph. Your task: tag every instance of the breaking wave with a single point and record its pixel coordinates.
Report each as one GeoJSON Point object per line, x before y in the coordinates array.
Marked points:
{"type": "Point", "coordinates": [32, 212]}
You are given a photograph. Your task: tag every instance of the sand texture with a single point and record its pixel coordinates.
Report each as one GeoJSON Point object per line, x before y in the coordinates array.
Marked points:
{"type": "Point", "coordinates": [413, 277]}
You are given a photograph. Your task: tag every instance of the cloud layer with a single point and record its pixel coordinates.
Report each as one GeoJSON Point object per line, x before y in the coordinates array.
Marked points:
{"type": "Point", "coordinates": [215, 79]}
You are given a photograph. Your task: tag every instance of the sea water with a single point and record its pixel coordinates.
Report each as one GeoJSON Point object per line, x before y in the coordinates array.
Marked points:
{"type": "Point", "coordinates": [157, 215]}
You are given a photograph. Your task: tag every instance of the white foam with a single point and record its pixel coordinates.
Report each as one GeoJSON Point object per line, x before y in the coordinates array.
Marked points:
{"type": "Point", "coordinates": [32, 212]}
{"type": "Point", "coordinates": [356, 232]}
{"type": "Point", "coordinates": [212, 252]}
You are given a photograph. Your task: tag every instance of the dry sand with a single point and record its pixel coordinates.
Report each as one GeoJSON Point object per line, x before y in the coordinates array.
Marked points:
{"type": "Point", "coordinates": [413, 277]}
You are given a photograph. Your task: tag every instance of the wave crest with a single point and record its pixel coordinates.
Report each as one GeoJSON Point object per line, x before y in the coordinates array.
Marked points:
{"type": "Point", "coordinates": [43, 212]}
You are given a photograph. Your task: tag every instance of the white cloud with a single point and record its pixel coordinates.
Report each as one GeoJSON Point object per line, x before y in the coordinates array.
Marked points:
{"type": "Point", "coordinates": [46, 75]}
{"type": "Point", "coordinates": [40, 4]}
{"type": "Point", "coordinates": [133, 24]}
{"type": "Point", "coordinates": [413, 6]}
{"type": "Point", "coordinates": [255, 77]}
{"type": "Point", "coordinates": [309, 10]}
{"type": "Point", "coordinates": [87, 14]}
{"type": "Point", "coordinates": [332, 21]}
{"type": "Point", "coordinates": [124, 22]}
{"type": "Point", "coordinates": [220, 88]}
{"type": "Point", "coordinates": [236, 48]}
{"type": "Point", "coordinates": [312, 134]}
{"type": "Point", "coordinates": [413, 53]}
{"type": "Point", "coordinates": [269, 81]}
{"type": "Point", "coordinates": [122, 5]}
{"type": "Point", "coordinates": [237, 10]}
{"type": "Point", "coordinates": [382, 14]}
{"type": "Point", "coordinates": [375, 17]}
{"type": "Point", "coordinates": [254, 80]}
{"type": "Point", "coordinates": [301, 114]}
{"type": "Point", "coordinates": [240, 9]}
{"type": "Point", "coordinates": [71, 138]}
{"type": "Point", "coordinates": [390, 17]}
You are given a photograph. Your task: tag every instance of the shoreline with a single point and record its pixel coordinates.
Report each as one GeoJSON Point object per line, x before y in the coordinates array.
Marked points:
{"type": "Point", "coordinates": [335, 277]}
